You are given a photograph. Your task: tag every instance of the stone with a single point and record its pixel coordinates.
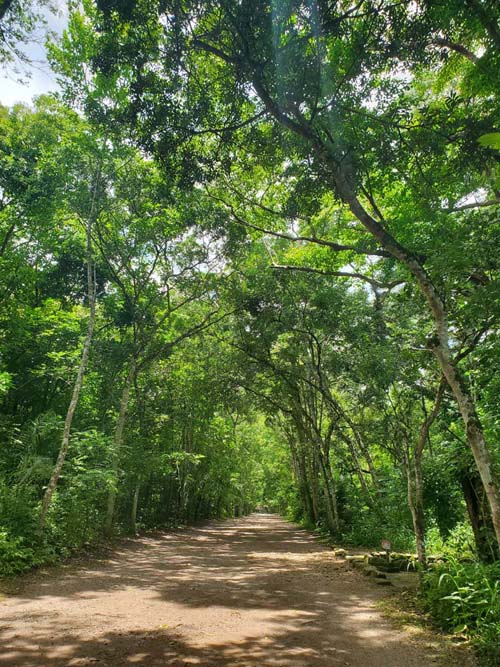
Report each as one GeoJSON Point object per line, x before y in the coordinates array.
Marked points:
{"type": "Point", "coordinates": [382, 582]}
{"type": "Point", "coordinates": [358, 564]}
{"type": "Point", "coordinates": [370, 571]}
{"type": "Point", "coordinates": [377, 560]}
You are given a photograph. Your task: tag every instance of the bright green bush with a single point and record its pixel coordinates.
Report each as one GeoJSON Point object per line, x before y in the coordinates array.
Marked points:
{"type": "Point", "coordinates": [465, 598]}
{"type": "Point", "coordinates": [15, 557]}
{"type": "Point", "coordinates": [458, 543]}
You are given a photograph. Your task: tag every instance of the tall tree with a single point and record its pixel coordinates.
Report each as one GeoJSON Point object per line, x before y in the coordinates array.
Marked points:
{"type": "Point", "coordinates": [343, 120]}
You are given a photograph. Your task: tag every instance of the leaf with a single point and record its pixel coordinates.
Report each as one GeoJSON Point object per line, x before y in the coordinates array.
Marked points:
{"type": "Point", "coordinates": [490, 140]}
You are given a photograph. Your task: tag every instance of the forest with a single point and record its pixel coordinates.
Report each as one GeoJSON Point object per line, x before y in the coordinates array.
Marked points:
{"type": "Point", "coordinates": [250, 258]}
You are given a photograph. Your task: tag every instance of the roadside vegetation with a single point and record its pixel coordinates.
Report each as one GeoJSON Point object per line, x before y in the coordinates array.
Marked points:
{"type": "Point", "coordinates": [249, 257]}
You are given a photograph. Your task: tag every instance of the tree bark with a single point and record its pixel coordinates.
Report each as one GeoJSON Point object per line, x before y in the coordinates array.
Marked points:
{"type": "Point", "coordinates": [135, 503]}
{"type": "Point", "coordinates": [91, 294]}
{"type": "Point", "coordinates": [480, 520]}
{"type": "Point", "coordinates": [331, 498]}
{"type": "Point", "coordinates": [301, 477]}
{"type": "Point", "coordinates": [313, 481]}
{"type": "Point", "coordinates": [336, 410]}
{"type": "Point", "coordinates": [417, 514]}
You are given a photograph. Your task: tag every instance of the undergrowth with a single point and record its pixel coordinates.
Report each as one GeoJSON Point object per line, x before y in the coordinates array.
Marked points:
{"type": "Point", "coordinates": [464, 598]}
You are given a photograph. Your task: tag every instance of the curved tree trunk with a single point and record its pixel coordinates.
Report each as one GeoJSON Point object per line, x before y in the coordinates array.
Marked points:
{"type": "Point", "coordinates": [416, 483]}
{"type": "Point", "coordinates": [475, 500]}
{"type": "Point", "coordinates": [341, 180]}
{"type": "Point", "coordinates": [331, 496]}
{"type": "Point", "coordinates": [340, 172]}
{"type": "Point", "coordinates": [335, 410]}
{"type": "Point", "coordinates": [301, 477]}
{"type": "Point", "coordinates": [417, 513]}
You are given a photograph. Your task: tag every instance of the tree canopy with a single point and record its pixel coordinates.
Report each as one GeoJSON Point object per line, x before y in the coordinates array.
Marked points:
{"type": "Point", "coordinates": [249, 258]}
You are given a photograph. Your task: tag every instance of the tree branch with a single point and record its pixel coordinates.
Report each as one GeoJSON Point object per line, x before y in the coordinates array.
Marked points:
{"type": "Point", "coordinates": [477, 204]}
{"type": "Point", "coordinates": [342, 274]}
{"type": "Point", "coordinates": [338, 247]}
{"type": "Point", "coordinates": [458, 48]}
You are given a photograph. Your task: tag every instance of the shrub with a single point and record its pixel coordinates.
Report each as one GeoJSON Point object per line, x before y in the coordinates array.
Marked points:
{"type": "Point", "coordinates": [15, 557]}
{"type": "Point", "coordinates": [465, 597]}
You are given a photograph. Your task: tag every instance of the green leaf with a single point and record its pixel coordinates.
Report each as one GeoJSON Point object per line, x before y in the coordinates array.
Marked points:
{"type": "Point", "coordinates": [490, 140]}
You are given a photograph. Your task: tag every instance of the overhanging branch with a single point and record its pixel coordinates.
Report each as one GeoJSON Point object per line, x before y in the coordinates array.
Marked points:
{"type": "Point", "coordinates": [343, 274]}
{"type": "Point", "coordinates": [338, 247]}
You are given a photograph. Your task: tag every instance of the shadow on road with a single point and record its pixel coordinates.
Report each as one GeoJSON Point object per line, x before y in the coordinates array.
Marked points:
{"type": "Point", "coordinates": [249, 592]}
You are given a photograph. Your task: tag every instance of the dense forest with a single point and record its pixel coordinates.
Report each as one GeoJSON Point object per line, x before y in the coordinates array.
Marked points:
{"type": "Point", "coordinates": [249, 257]}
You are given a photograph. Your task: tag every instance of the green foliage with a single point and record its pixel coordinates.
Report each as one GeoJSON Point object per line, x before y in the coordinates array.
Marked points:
{"type": "Point", "coordinates": [490, 140]}
{"type": "Point", "coordinates": [20, 23]}
{"type": "Point", "coordinates": [458, 544]}
{"type": "Point", "coordinates": [465, 598]}
{"type": "Point", "coordinates": [257, 343]}
{"type": "Point", "coordinates": [367, 530]}
{"type": "Point", "coordinates": [14, 556]}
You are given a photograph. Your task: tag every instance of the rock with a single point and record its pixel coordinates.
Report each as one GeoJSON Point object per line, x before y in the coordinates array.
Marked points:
{"type": "Point", "coordinates": [357, 558]}
{"type": "Point", "coordinates": [371, 571]}
{"type": "Point", "coordinates": [382, 582]}
{"type": "Point", "coordinates": [377, 560]}
{"type": "Point", "coordinates": [340, 553]}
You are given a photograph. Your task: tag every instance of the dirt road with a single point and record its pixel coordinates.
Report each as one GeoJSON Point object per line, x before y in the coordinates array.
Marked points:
{"type": "Point", "coordinates": [252, 592]}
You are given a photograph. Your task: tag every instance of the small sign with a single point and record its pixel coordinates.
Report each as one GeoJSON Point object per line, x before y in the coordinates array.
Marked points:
{"type": "Point", "coordinates": [386, 545]}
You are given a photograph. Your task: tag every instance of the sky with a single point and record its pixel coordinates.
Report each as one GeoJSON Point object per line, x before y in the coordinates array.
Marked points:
{"type": "Point", "coordinates": [41, 79]}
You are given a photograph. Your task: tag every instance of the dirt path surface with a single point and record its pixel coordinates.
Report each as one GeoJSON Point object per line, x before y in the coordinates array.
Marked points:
{"type": "Point", "coordinates": [252, 592]}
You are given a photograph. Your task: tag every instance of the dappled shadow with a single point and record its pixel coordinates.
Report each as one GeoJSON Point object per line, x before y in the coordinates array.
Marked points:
{"type": "Point", "coordinates": [247, 592]}
{"type": "Point", "coordinates": [303, 642]}
{"type": "Point", "coordinates": [220, 563]}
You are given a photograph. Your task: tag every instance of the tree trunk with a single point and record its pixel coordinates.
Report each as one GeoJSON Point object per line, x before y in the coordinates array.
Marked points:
{"type": "Point", "coordinates": [357, 467]}
{"type": "Point", "coordinates": [331, 498]}
{"type": "Point", "coordinates": [415, 503]}
{"type": "Point", "coordinates": [301, 477]}
{"type": "Point", "coordinates": [91, 295]}
{"type": "Point", "coordinates": [313, 481]}
{"type": "Point", "coordinates": [420, 514]}
{"type": "Point", "coordinates": [308, 470]}
{"type": "Point", "coordinates": [135, 503]}
{"type": "Point", "coordinates": [416, 486]}
{"type": "Point", "coordinates": [480, 520]}
{"type": "Point", "coordinates": [118, 442]}
{"type": "Point", "coordinates": [475, 435]}
{"type": "Point", "coordinates": [336, 410]}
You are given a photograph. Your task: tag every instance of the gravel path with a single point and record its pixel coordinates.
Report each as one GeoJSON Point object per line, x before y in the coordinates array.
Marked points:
{"type": "Point", "coordinates": [252, 592]}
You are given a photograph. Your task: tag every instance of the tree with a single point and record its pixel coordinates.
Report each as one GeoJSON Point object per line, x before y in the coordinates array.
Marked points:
{"type": "Point", "coordinates": [91, 295]}
{"type": "Point", "coordinates": [388, 163]}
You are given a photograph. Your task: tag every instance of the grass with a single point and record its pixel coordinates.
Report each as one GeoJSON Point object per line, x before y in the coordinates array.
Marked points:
{"type": "Point", "coordinates": [404, 611]}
